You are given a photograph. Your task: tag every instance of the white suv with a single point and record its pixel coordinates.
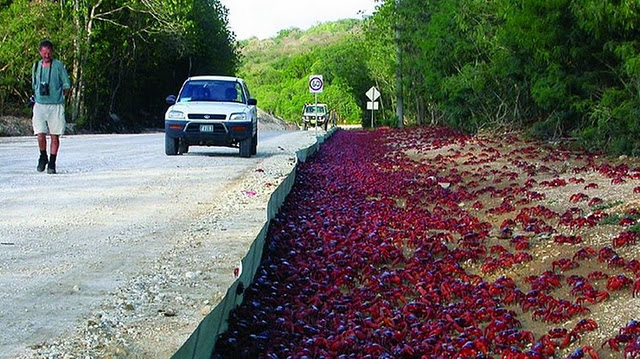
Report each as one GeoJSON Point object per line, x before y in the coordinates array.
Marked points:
{"type": "Point", "coordinates": [211, 111]}
{"type": "Point", "coordinates": [315, 115]}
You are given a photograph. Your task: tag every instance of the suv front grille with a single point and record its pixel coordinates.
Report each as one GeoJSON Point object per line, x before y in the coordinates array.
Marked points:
{"type": "Point", "coordinates": [203, 116]}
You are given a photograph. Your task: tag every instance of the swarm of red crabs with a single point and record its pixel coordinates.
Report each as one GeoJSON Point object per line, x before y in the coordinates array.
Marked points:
{"type": "Point", "coordinates": [426, 243]}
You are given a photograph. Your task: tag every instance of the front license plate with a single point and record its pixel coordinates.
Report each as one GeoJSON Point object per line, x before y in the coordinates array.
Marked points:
{"type": "Point", "coordinates": [206, 128]}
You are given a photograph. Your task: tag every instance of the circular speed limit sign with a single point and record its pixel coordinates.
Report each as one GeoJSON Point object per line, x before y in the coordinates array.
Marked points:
{"type": "Point", "coordinates": [316, 84]}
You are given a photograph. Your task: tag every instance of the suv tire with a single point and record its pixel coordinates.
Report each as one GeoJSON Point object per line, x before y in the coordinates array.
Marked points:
{"type": "Point", "coordinates": [254, 144]}
{"type": "Point", "coordinates": [245, 147]}
{"type": "Point", "coordinates": [170, 146]}
{"type": "Point", "coordinates": [182, 149]}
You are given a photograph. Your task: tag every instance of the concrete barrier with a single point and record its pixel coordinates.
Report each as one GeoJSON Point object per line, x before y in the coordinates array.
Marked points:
{"type": "Point", "coordinates": [201, 343]}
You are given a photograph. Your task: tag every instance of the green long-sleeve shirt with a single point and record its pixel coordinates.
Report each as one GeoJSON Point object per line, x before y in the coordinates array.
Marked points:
{"type": "Point", "coordinates": [58, 81]}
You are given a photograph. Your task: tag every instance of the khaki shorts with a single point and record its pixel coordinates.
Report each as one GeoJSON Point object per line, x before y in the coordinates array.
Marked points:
{"type": "Point", "coordinates": [48, 119]}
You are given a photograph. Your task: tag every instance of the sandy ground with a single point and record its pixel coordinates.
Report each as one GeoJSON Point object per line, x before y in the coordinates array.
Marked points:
{"type": "Point", "coordinates": [618, 199]}
{"type": "Point", "coordinates": [125, 250]}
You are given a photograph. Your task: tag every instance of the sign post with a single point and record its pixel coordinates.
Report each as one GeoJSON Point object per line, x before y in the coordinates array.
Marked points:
{"type": "Point", "coordinates": [316, 86]}
{"type": "Point", "coordinates": [373, 94]}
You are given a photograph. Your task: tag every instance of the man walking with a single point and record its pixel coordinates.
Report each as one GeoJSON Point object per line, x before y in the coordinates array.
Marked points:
{"type": "Point", "coordinates": [51, 84]}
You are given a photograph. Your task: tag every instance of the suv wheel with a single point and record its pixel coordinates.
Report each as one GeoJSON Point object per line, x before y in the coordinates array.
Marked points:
{"type": "Point", "coordinates": [245, 147]}
{"type": "Point", "coordinates": [254, 144]}
{"type": "Point", "coordinates": [170, 146]}
{"type": "Point", "coordinates": [182, 149]}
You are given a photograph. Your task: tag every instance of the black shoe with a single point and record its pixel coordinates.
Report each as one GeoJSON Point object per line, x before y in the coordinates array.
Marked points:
{"type": "Point", "coordinates": [42, 163]}
{"type": "Point", "coordinates": [52, 168]}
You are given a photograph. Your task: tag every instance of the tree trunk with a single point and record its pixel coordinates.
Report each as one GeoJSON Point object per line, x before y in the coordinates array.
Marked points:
{"type": "Point", "coordinates": [399, 105]}
{"type": "Point", "coordinates": [420, 110]}
{"type": "Point", "coordinates": [83, 22]}
{"type": "Point", "coordinates": [77, 70]}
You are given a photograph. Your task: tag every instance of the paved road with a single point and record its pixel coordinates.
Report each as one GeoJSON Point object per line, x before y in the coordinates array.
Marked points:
{"type": "Point", "coordinates": [116, 204]}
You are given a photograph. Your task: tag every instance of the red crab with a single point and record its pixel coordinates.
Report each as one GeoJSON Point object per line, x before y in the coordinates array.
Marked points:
{"type": "Point", "coordinates": [535, 196]}
{"type": "Point", "coordinates": [585, 253]}
{"type": "Point", "coordinates": [498, 249]}
{"type": "Point", "coordinates": [633, 328]}
{"type": "Point", "coordinates": [556, 182]}
{"type": "Point", "coordinates": [513, 337]}
{"type": "Point", "coordinates": [582, 326]}
{"type": "Point", "coordinates": [626, 221]}
{"type": "Point", "coordinates": [545, 282]}
{"type": "Point", "coordinates": [575, 180]}
{"type": "Point", "coordinates": [595, 201]}
{"type": "Point", "coordinates": [469, 349]}
{"type": "Point", "coordinates": [633, 266]}
{"type": "Point", "coordinates": [569, 338]}
{"type": "Point", "coordinates": [544, 348]}
{"type": "Point", "coordinates": [616, 262]}
{"type": "Point", "coordinates": [632, 350]}
{"type": "Point", "coordinates": [581, 352]}
{"type": "Point", "coordinates": [591, 186]}
{"type": "Point", "coordinates": [596, 275]}
{"type": "Point", "coordinates": [578, 197]}
{"type": "Point", "coordinates": [618, 282]}
{"type": "Point", "coordinates": [558, 311]}
{"type": "Point", "coordinates": [625, 238]}
{"type": "Point", "coordinates": [521, 243]}
{"type": "Point", "coordinates": [564, 264]}
{"type": "Point", "coordinates": [557, 333]}
{"type": "Point", "coordinates": [582, 288]}
{"type": "Point", "coordinates": [606, 253]}
{"type": "Point", "coordinates": [585, 325]}
{"type": "Point", "coordinates": [636, 287]}
{"type": "Point", "coordinates": [614, 343]}
{"type": "Point", "coordinates": [593, 297]}
{"type": "Point", "coordinates": [618, 180]}
{"type": "Point", "coordinates": [523, 257]}
{"type": "Point", "coordinates": [497, 326]}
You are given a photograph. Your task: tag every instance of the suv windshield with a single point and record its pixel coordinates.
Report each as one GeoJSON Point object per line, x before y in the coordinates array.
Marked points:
{"type": "Point", "coordinates": [314, 109]}
{"type": "Point", "coordinates": [211, 90]}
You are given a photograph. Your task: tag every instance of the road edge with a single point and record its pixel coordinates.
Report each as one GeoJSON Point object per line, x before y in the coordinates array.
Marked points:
{"type": "Point", "coordinates": [201, 343]}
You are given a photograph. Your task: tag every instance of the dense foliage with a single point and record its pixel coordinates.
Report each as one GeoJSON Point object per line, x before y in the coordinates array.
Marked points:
{"type": "Point", "coordinates": [563, 68]}
{"type": "Point", "coordinates": [124, 56]}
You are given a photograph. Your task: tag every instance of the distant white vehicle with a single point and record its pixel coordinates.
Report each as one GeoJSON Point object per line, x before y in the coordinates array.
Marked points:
{"type": "Point", "coordinates": [315, 115]}
{"type": "Point", "coordinates": [211, 111]}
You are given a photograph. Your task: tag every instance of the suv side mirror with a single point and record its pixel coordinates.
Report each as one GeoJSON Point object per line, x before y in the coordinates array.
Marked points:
{"type": "Point", "coordinates": [171, 100]}
{"type": "Point", "coordinates": [252, 102]}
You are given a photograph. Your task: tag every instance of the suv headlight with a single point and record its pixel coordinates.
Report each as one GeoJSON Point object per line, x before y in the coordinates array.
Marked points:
{"type": "Point", "coordinates": [176, 115]}
{"type": "Point", "coordinates": [237, 117]}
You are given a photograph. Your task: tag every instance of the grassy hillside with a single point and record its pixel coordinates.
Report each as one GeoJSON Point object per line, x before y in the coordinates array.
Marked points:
{"type": "Point", "coordinates": [278, 69]}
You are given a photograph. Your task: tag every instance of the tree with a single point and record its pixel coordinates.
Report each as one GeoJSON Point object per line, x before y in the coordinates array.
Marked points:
{"type": "Point", "coordinates": [121, 54]}
{"type": "Point", "coordinates": [552, 68]}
